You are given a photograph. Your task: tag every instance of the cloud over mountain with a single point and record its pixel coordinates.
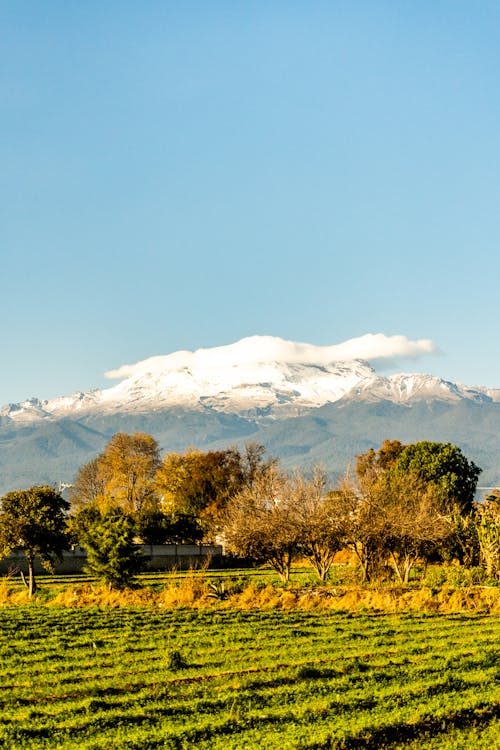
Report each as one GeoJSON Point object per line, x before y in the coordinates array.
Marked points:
{"type": "Point", "coordinates": [372, 347]}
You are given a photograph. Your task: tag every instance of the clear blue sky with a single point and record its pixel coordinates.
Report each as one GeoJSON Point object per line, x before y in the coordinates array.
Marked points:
{"type": "Point", "coordinates": [182, 174]}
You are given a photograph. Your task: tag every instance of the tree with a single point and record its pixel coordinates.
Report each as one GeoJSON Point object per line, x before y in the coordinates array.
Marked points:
{"type": "Point", "coordinates": [320, 521]}
{"type": "Point", "coordinates": [400, 511]}
{"type": "Point", "coordinates": [415, 520]}
{"type": "Point", "coordinates": [489, 534]}
{"type": "Point", "coordinates": [199, 484]}
{"type": "Point", "coordinates": [156, 527]}
{"type": "Point", "coordinates": [364, 519]}
{"type": "Point", "coordinates": [463, 542]}
{"type": "Point", "coordinates": [254, 463]}
{"type": "Point", "coordinates": [381, 460]}
{"type": "Point", "coordinates": [108, 536]}
{"type": "Point", "coordinates": [123, 474]}
{"type": "Point", "coordinates": [151, 526]}
{"type": "Point", "coordinates": [261, 522]}
{"type": "Point", "coordinates": [88, 485]}
{"type": "Point", "coordinates": [444, 466]}
{"type": "Point", "coordinates": [34, 521]}
{"type": "Point", "coordinates": [127, 467]}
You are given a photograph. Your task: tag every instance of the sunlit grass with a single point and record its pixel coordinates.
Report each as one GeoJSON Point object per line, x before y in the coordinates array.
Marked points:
{"type": "Point", "coordinates": [104, 677]}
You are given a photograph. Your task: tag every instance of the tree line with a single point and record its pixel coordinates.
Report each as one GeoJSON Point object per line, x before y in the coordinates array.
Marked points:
{"type": "Point", "coordinates": [399, 505]}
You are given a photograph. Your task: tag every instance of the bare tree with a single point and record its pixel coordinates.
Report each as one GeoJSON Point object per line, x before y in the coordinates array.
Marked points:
{"type": "Point", "coordinates": [416, 521]}
{"type": "Point", "coordinates": [88, 485]}
{"type": "Point", "coordinates": [364, 522]}
{"type": "Point", "coordinates": [393, 518]}
{"type": "Point", "coordinates": [320, 520]}
{"type": "Point", "coordinates": [261, 522]}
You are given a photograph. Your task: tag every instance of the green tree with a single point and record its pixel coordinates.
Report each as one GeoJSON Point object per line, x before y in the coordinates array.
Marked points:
{"type": "Point", "coordinates": [444, 466]}
{"type": "Point", "coordinates": [156, 527]}
{"type": "Point", "coordinates": [108, 534]}
{"type": "Point", "coordinates": [34, 521]}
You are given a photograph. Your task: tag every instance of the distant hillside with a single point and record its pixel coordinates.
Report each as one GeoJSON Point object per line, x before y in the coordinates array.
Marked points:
{"type": "Point", "coordinates": [52, 451]}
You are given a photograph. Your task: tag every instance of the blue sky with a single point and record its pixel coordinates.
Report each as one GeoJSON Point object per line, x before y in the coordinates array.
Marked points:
{"type": "Point", "coordinates": [181, 175]}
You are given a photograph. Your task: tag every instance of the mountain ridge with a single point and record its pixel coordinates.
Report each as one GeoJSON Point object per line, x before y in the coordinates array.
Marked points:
{"type": "Point", "coordinates": [230, 380]}
{"type": "Point", "coordinates": [293, 398]}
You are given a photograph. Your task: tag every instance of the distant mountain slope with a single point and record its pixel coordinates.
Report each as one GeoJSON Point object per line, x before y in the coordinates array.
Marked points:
{"type": "Point", "coordinates": [303, 407]}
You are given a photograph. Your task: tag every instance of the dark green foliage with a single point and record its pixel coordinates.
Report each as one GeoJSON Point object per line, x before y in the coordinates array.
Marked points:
{"type": "Point", "coordinates": [156, 527]}
{"type": "Point", "coordinates": [176, 661]}
{"type": "Point", "coordinates": [151, 526]}
{"type": "Point", "coordinates": [34, 521]}
{"type": "Point", "coordinates": [108, 536]}
{"type": "Point", "coordinates": [445, 466]}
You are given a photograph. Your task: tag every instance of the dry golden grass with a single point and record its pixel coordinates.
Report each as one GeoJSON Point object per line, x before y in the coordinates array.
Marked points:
{"type": "Point", "coordinates": [89, 596]}
{"type": "Point", "coordinates": [445, 600]}
{"type": "Point", "coordinates": [193, 590]}
{"type": "Point", "coordinates": [189, 591]}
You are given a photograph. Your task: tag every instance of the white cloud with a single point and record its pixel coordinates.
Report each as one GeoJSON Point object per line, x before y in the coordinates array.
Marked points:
{"type": "Point", "coordinates": [377, 347]}
{"type": "Point", "coordinates": [373, 347]}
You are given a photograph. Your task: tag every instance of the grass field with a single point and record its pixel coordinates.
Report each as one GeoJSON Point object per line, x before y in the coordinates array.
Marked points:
{"type": "Point", "coordinates": [223, 678]}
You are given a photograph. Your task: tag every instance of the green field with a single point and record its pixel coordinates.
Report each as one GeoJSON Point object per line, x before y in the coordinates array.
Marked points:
{"type": "Point", "coordinates": [149, 678]}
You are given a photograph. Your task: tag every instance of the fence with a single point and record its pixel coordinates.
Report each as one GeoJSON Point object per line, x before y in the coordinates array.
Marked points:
{"type": "Point", "coordinates": [156, 557]}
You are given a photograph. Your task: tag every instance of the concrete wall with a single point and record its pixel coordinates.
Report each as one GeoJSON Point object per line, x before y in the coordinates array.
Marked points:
{"type": "Point", "coordinates": [156, 557]}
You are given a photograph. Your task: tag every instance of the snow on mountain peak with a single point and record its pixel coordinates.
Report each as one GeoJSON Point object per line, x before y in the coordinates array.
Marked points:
{"type": "Point", "coordinates": [258, 375]}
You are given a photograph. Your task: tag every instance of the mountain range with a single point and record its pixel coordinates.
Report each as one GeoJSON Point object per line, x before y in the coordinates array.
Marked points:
{"type": "Point", "coordinates": [306, 404]}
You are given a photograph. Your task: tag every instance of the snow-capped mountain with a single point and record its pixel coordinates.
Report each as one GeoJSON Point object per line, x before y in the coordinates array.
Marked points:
{"type": "Point", "coordinates": [306, 404]}
{"type": "Point", "coordinates": [259, 376]}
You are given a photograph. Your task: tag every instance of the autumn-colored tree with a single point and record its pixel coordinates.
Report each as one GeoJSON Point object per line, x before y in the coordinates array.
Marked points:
{"type": "Point", "coordinates": [397, 516]}
{"type": "Point", "coordinates": [364, 521]}
{"type": "Point", "coordinates": [122, 475]}
{"type": "Point", "coordinates": [463, 542]}
{"type": "Point", "coordinates": [415, 519]}
{"type": "Point", "coordinates": [34, 521]}
{"type": "Point", "coordinates": [127, 466]}
{"type": "Point", "coordinates": [200, 484]}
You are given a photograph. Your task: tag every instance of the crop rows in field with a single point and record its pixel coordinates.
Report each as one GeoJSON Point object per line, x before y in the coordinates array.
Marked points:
{"type": "Point", "coordinates": [146, 678]}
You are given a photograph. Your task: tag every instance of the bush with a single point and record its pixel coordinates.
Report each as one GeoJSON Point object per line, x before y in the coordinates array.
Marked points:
{"type": "Point", "coordinates": [452, 575]}
{"type": "Point", "coordinates": [176, 661]}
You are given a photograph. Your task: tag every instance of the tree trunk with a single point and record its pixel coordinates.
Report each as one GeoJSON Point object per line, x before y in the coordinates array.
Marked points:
{"type": "Point", "coordinates": [396, 567]}
{"type": "Point", "coordinates": [282, 565]}
{"type": "Point", "coordinates": [364, 561]}
{"type": "Point", "coordinates": [31, 570]}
